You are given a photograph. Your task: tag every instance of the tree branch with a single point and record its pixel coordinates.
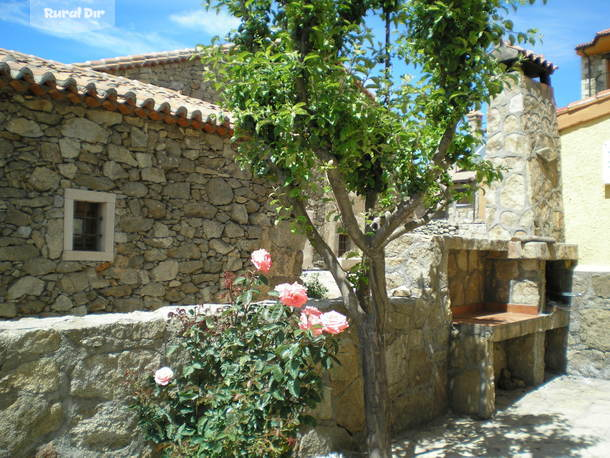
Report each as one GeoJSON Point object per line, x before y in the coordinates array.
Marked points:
{"type": "Point", "coordinates": [314, 237]}
{"type": "Point", "coordinates": [415, 223]}
{"type": "Point", "coordinates": [346, 210]}
{"type": "Point", "coordinates": [322, 248]}
{"type": "Point", "coordinates": [391, 222]}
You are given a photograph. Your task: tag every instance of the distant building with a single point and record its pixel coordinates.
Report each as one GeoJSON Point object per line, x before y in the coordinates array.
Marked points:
{"type": "Point", "coordinates": [584, 127]}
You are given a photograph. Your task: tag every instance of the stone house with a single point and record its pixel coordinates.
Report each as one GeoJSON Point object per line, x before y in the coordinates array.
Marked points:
{"type": "Point", "coordinates": [584, 126]}
{"type": "Point", "coordinates": [119, 195]}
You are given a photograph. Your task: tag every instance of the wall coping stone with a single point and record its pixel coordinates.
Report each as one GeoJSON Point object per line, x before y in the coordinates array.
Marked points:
{"type": "Point", "coordinates": [68, 322]}
{"type": "Point", "coordinates": [516, 249]}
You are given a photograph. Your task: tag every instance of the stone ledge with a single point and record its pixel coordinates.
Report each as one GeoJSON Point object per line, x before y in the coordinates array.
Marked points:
{"type": "Point", "coordinates": [500, 332]}
{"type": "Point", "coordinates": [516, 249]}
{"type": "Point", "coordinates": [92, 320]}
{"type": "Point", "coordinates": [461, 243]}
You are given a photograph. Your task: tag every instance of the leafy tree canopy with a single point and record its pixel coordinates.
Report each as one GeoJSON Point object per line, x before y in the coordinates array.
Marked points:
{"type": "Point", "coordinates": [310, 86]}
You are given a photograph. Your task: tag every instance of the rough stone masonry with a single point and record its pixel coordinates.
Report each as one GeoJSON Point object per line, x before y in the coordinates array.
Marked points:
{"type": "Point", "coordinates": [185, 213]}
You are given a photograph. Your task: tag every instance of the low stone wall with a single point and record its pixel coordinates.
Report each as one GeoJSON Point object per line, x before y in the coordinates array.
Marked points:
{"type": "Point", "coordinates": [589, 336]}
{"type": "Point", "coordinates": [63, 385]}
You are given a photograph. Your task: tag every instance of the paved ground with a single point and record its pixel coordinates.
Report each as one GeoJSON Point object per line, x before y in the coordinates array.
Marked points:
{"type": "Point", "coordinates": [567, 416]}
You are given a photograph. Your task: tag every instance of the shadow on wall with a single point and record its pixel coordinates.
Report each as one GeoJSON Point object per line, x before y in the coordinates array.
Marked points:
{"type": "Point", "coordinates": [508, 435]}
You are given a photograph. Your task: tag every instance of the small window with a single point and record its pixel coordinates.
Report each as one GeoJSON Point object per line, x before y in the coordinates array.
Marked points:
{"type": "Point", "coordinates": [466, 199]}
{"type": "Point", "coordinates": [88, 226]}
{"type": "Point", "coordinates": [87, 233]}
{"type": "Point", "coordinates": [344, 244]}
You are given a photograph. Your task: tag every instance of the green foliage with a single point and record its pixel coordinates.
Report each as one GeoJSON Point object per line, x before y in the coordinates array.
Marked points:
{"type": "Point", "coordinates": [294, 83]}
{"type": "Point", "coordinates": [250, 377]}
{"type": "Point", "coordinates": [315, 288]}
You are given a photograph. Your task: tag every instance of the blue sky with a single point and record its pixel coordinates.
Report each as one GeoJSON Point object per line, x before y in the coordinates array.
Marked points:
{"type": "Point", "coordinates": [142, 26]}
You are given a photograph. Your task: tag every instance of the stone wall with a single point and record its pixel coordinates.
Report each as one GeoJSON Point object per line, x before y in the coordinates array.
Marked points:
{"type": "Point", "coordinates": [418, 339]}
{"type": "Point", "coordinates": [522, 137]}
{"type": "Point", "coordinates": [184, 77]}
{"type": "Point", "coordinates": [589, 336]}
{"type": "Point", "coordinates": [64, 385]}
{"type": "Point", "coordinates": [516, 281]}
{"type": "Point", "coordinates": [467, 274]}
{"type": "Point", "coordinates": [184, 211]}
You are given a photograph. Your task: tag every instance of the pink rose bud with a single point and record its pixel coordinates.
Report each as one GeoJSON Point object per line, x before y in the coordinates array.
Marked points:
{"type": "Point", "coordinates": [163, 376]}
{"type": "Point", "coordinates": [293, 295]}
{"type": "Point", "coordinates": [333, 322]}
{"type": "Point", "coordinates": [261, 260]}
{"type": "Point", "coordinates": [310, 319]}
{"type": "Point", "coordinates": [311, 311]}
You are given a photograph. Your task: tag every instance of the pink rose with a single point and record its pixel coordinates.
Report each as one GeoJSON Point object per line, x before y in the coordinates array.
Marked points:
{"type": "Point", "coordinates": [310, 319]}
{"type": "Point", "coordinates": [311, 311]}
{"type": "Point", "coordinates": [294, 295]}
{"type": "Point", "coordinates": [333, 322]}
{"type": "Point", "coordinates": [163, 376]}
{"type": "Point", "coordinates": [261, 260]}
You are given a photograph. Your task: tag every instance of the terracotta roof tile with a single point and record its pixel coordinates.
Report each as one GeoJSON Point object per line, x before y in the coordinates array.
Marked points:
{"type": "Point", "coordinates": [601, 95]}
{"type": "Point", "coordinates": [535, 58]}
{"type": "Point", "coordinates": [601, 33]}
{"type": "Point", "coordinates": [139, 60]}
{"type": "Point", "coordinates": [82, 85]}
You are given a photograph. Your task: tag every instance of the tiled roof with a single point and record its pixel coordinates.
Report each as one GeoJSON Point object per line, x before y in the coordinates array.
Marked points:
{"type": "Point", "coordinates": [584, 102]}
{"type": "Point", "coordinates": [533, 57]}
{"type": "Point", "coordinates": [601, 33]}
{"type": "Point", "coordinates": [584, 110]}
{"type": "Point", "coordinates": [96, 89]}
{"type": "Point", "coordinates": [139, 60]}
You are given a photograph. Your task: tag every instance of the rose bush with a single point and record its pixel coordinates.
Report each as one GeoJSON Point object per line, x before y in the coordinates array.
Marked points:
{"type": "Point", "coordinates": [253, 370]}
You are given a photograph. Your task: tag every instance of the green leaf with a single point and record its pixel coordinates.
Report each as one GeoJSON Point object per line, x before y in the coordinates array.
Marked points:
{"type": "Point", "coordinates": [294, 388]}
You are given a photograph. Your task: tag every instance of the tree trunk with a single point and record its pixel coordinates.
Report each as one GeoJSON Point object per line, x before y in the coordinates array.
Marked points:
{"type": "Point", "coordinates": [374, 371]}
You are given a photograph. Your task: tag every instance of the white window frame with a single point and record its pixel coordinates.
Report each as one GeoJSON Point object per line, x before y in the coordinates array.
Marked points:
{"type": "Point", "coordinates": [108, 202]}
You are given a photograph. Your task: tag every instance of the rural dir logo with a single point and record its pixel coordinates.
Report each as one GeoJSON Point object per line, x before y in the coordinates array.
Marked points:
{"type": "Point", "coordinates": [72, 16]}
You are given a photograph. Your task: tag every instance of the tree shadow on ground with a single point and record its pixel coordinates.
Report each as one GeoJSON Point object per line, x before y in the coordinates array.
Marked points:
{"type": "Point", "coordinates": [508, 434]}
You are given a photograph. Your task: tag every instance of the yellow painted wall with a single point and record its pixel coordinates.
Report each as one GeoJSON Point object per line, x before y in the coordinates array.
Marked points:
{"type": "Point", "coordinates": [586, 199]}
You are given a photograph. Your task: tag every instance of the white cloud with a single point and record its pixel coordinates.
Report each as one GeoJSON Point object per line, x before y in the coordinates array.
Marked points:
{"type": "Point", "coordinates": [211, 23]}
{"type": "Point", "coordinates": [114, 39]}
{"type": "Point", "coordinates": [14, 11]}
{"type": "Point", "coordinates": [125, 42]}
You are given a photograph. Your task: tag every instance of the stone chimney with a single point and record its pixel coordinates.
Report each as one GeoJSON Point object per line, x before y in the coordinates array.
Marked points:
{"type": "Point", "coordinates": [522, 137]}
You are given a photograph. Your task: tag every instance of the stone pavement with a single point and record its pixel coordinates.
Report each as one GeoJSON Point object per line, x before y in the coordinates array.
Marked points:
{"type": "Point", "coordinates": [567, 416]}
